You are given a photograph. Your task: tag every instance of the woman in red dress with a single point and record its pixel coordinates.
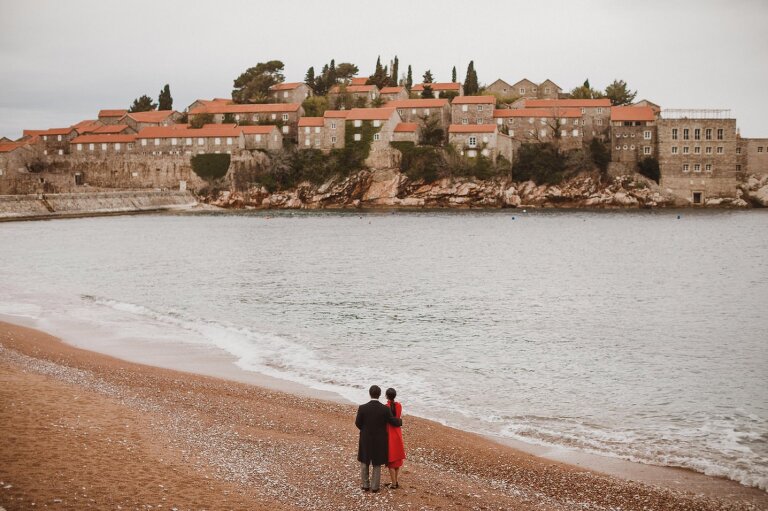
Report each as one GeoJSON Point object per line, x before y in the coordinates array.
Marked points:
{"type": "Point", "coordinates": [396, 447]}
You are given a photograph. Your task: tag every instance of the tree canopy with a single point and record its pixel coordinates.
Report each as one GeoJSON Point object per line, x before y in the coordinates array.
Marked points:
{"type": "Point", "coordinates": [409, 79]}
{"type": "Point", "coordinates": [142, 104]}
{"type": "Point", "coordinates": [619, 93]}
{"type": "Point", "coordinates": [165, 101]}
{"type": "Point", "coordinates": [471, 86]}
{"type": "Point", "coordinates": [428, 92]}
{"type": "Point", "coordinates": [253, 85]}
{"type": "Point", "coordinates": [585, 91]}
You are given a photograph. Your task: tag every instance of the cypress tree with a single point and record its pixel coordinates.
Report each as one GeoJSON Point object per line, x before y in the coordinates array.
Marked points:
{"type": "Point", "coordinates": [409, 79]}
{"type": "Point", "coordinates": [395, 70]}
{"type": "Point", "coordinates": [470, 81]}
{"type": "Point", "coordinates": [309, 78]}
{"type": "Point", "coordinates": [165, 101]}
{"type": "Point", "coordinates": [453, 74]}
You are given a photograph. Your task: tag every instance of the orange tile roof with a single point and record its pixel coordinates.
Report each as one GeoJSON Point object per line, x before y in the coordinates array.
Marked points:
{"type": "Point", "coordinates": [112, 113]}
{"type": "Point", "coordinates": [579, 103]}
{"type": "Point", "coordinates": [113, 128]}
{"type": "Point", "coordinates": [264, 129]}
{"type": "Point", "coordinates": [151, 116]}
{"type": "Point", "coordinates": [259, 108]}
{"type": "Point", "coordinates": [471, 128]}
{"type": "Point", "coordinates": [418, 103]}
{"type": "Point", "coordinates": [87, 124]}
{"type": "Point", "coordinates": [370, 114]}
{"type": "Point", "coordinates": [310, 121]}
{"type": "Point", "coordinates": [438, 86]}
{"type": "Point", "coordinates": [537, 112]}
{"type": "Point", "coordinates": [473, 100]}
{"type": "Point", "coordinates": [337, 114]}
{"type": "Point", "coordinates": [632, 113]}
{"type": "Point", "coordinates": [392, 90]}
{"type": "Point", "coordinates": [31, 133]}
{"type": "Point", "coordinates": [358, 80]}
{"type": "Point", "coordinates": [92, 138]}
{"type": "Point", "coordinates": [406, 127]}
{"type": "Point", "coordinates": [7, 147]}
{"type": "Point", "coordinates": [56, 131]}
{"type": "Point", "coordinates": [286, 86]}
{"type": "Point", "coordinates": [336, 89]}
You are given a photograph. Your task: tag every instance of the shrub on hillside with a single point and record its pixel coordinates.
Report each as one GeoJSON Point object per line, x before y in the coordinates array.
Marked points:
{"type": "Point", "coordinates": [210, 166]}
{"type": "Point", "coordinates": [649, 167]}
{"type": "Point", "coordinates": [540, 163]}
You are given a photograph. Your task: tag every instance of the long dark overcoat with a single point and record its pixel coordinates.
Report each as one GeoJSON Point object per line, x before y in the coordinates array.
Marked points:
{"type": "Point", "coordinates": [372, 419]}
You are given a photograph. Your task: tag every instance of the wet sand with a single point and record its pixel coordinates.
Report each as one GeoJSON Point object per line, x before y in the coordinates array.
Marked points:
{"type": "Point", "coordinates": [81, 430]}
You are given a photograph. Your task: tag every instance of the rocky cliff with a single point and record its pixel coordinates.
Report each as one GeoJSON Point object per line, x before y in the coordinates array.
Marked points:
{"type": "Point", "coordinates": [390, 188]}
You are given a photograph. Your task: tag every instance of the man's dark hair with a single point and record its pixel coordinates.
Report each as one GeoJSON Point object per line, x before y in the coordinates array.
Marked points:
{"type": "Point", "coordinates": [374, 391]}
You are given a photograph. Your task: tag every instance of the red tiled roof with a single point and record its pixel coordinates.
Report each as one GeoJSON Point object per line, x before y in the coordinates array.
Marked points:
{"type": "Point", "coordinates": [537, 112]}
{"type": "Point", "coordinates": [474, 100]}
{"type": "Point", "coordinates": [310, 121]}
{"type": "Point", "coordinates": [264, 129]}
{"type": "Point", "coordinates": [391, 90]}
{"type": "Point", "coordinates": [7, 147]}
{"type": "Point", "coordinates": [56, 131]}
{"type": "Point", "coordinates": [370, 114]}
{"type": "Point", "coordinates": [151, 116]}
{"type": "Point", "coordinates": [286, 86]}
{"type": "Point", "coordinates": [92, 138]}
{"type": "Point", "coordinates": [337, 114]}
{"type": "Point", "coordinates": [218, 107]}
{"type": "Point", "coordinates": [632, 113]}
{"type": "Point", "coordinates": [86, 126]}
{"type": "Point", "coordinates": [112, 113]}
{"type": "Point", "coordinates": [406, 127]}
{"type": "Point", "coordinates": [31, 133]}
{"type": "Point", "coordinates": [114, 128]}
{"type": "Point", "coordinates": [438, 86]}
{"type": "Point", "coordinates": [418, 103]}
{"type": "Point", "coordinates": [471, 128]}
{"type": "Point", "coordinates": [358, 80]}
{"type": "Point", "coordinates": [579, 103]}
{"type": "Point", "coordinates": [336, 89]}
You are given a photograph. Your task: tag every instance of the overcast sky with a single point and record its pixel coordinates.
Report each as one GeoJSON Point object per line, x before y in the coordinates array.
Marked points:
{"type": "Point", "coordinates": [62, 61]}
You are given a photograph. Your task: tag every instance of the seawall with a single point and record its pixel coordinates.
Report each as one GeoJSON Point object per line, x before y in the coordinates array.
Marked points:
{"type": "Point", "coordinates": [62, 205]}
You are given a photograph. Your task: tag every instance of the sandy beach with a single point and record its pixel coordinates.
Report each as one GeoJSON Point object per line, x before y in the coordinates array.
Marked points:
{"type": "Point", "coordinates": [81, 430]}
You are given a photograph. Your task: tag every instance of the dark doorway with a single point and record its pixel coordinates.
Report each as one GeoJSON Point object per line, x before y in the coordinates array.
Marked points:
{"type": "Point", "coordinates": [697, 197]}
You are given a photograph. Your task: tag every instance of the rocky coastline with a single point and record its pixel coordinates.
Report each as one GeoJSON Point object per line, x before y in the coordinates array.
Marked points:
{"type": "Point", "coordinates": [389, 188]}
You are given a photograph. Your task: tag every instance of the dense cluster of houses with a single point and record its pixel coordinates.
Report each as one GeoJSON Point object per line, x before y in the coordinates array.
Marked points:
{"type": "Point", "coordinates": [700, 152]}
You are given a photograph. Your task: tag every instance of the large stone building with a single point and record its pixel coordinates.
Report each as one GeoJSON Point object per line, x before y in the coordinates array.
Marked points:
{"type": "Point", "coordinates": [525, 89]}
{"type": "Point", "coordinates": [472, 109]}
{"type": "Point", "coordinates": [752, 156]}
{"type": "Point", "coordinates": [56, 140]}
{"type": "Point", "coordinates": [473, 140]}
{"type": "Point", "coordinates": [344, 97]}
{"type": "Point", "coordinates": [102, 144]}
{"type": "Point", "coordinates": [374, 126]}
{"type": "Point", "coordinates": [152, 118]}
{"type": "Point", "coordinates": [294, 92]}
{"type": "Point", "coordinates": [422, 111]}
{"type": "Point", "coordinates": [633, 135]}
{"type": "Point", "coordinates": [558, 125]}
{"type": "Point", "coordinates": [697, 154]}
{"type": "Point", "coordinates": [285, 115]}
{"type": "Point", "coordinates": [211, 138]}
{"type": "Point", "coordinates": [595, 113]}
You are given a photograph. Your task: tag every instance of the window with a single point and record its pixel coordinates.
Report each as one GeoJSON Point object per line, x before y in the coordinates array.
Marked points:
{"type": "Point", "coordinates": [426, 111]}
{"type": "Point", "coordinates": [685, 134]}
{"type": "Point", "coordinates": [464, 120]}
{"type": "Point", "coordinates": [333, 125]}
{"type": "Point", "coordinates": [237, 117]}
{"type": "Point", "coordinates": [738, 168]}
{"type": "Point", "coordinates": [485, 152]}
{"type": "Point", "coordinates": [274, 117]}
{"type": "Point", "coordinates": [45, 151]}
{"type": "Point", "coordinates": [759, 149]}
{"type": "Point", "coordinates": [697, 134]}
{"type": "Point", "coordinates": [499, 121]}
{"type": "Point", "coordinates": [625, 147]}
{"type": "Point", "coordinates": [358, 123]}
{"type": "Point", "coordinates": [357, 137]}
{"type": "Point", "coordinates": [522, 90]}
{"type": "Point", "coordinates": [697, 167]}
{"type": "Point", "coordinates": [543, 121]}
{"type": "Point", "coordinates": [376, 123]}
{"type": "Point", "coordinates": [285, 130]}
{"type": "Point", "coordinates": [285, 117]}
{"type": "Point", "coordinates": [530, 120]}
{"type": "Point", "coordinates": [377, 136]}
{"type": "Point", "coordinates": [674, 133]}
{"type": "Point", "coordinates": [697, 150]}
{"type": "Point", "coordinates": [317, 129]}
{"type": "Point", "coordinates": [708, 167]}
{"type": "Point", "coordinates": [45, 138]}
{"type": "Point", "coordinates": [674, 149]}
{"type": "Point", "coordinates": [307, 129]}
{"type": "Point", "coordinates": [479, 108]}
{"type": "Point", "coordinates": [686, 149]}
{"type": "Point", "coordinates": [200, 141]}
{"type": "Point", "coordinates": [307, 142]}
{"type": "Point", "coordinates": [563, 133]}
{"type": "Point", "coordinates": [285, 94]}
{"type": "Point", "coordinates": [647, 149]}
{"type": "Point", "coordinates": [229, 140]}
{"type": "Point", "coordinates": [472, 141]}
{"type": "Point", "coordinates": [61, 151]}
{"type": "Point", "coordinates": [413, 111]}
{"type": "Point", "coordinates": [90, 147]}
{"type": "Point", "coordinates": [738, 150]}
{"type": "Point", "coordinates": [464, 108]}
{"type": "Point", "coordinates": [632, 147]}
{"type": "Point", "coordinates": [576, 122]}
{"type": "Point", "coordinates": [583, 111]}
{"type": "Point", "coordinates": [471, 154]}
{"type": "Point", "coordinates": [479, 121]}
{"type": "Point", "coordinates": [258, 138]}
{"type": "Point", "coordinates": [708, 133]}
{"type": "Point", "coordinates": [575, 133]}
{"type": "Point", "coordinates": [58, 137]}
{"type": "Point", "coordinates": [117, 146]}
{"type": "Point", "coordinates": [720, 133]}
{"type": "Point", "coordinates": [618, 147]}
{"type": "Point", "coordinates": [143, 141]}
{"type": "Point", "coordinates": [546, 90]}
{"type": "Point", "coordinates": [174, 141]}
{"type": "Point", "coordinates": [720, 150]}
{"type": "Point", "coordinates": [333, 140]}
{"type": "Point", "coordinates": [543, 133]}
{"type": "Point", "coordinates": [79, 147]}
{"type": "Point", "coordinates": [599, 110]}
{"type": "Point", "coordinates": [647, 135]}
{"type": "Point", "coordinates": [511, 133]}
{"type": "Point", "coordinates": [599, 122]}
{"type": "Point", "coordinates": [157, 141]}
{"type": "Point", "coordinates": [188, 141]}
{"type": "Point", "coordinates": [685, 167]}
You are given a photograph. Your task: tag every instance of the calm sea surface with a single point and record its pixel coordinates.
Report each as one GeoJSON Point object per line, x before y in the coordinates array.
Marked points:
{"type": "Point", "coordinates": [639, 334]}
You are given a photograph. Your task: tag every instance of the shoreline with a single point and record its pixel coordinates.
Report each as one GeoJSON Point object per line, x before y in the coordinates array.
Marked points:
{"type": "Point", "coordinates": [619, 472]}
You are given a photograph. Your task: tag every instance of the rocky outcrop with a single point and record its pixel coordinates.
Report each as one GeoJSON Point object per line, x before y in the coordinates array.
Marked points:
{"type": "Point", "coordinates": [755, 190]}
{"type": "Point", "coordinates": [390, 188]}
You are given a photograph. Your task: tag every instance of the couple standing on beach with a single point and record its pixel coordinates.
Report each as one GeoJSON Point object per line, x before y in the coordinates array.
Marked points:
{"type": "Point", "coordinates": [381, 439]}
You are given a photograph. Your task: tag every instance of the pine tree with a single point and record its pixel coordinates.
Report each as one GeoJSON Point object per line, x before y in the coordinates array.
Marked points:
{"type": "Point", "coordinates": [428, 92]}
{"type": "Point", "coordinates": [453, 74]}
{"type": "Point", "coordinates": [309, 78]}
{"type": "Point", "coordinates": [332, 74]}
{"type": "Point", "coordinates": [142, 104]}
{"type": "Point", "coordinates": [164, 100]}
{"type": "Point", "coordinates": [409, 79]}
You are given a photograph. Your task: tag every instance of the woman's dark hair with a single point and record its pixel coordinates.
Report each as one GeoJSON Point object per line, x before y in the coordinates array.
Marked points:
{"type": "Point", "coordinates": [391, 395]}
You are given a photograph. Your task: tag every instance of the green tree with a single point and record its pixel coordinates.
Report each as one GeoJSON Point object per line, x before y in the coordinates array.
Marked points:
{"type": "Point", "coordinates": [142, 104]}
{"type": "Point", "coordinates": [321, 82]}
{"type": "Point", "coordinates": [428, 92]}
{"type": "Point", "coordinates": [600, 155]}
{"type": "Point", "coordinates": [585, 91]}
{"type": "Point", "coordinates": [541, 163]}
{"type": "Point", "coordinates": [315, 106]}
{"type": "Point", "coordinates": [165, 101]}
{"type": "Point", "coordinates": [253, 85]}
{"type": "Point", "coordinates": [619, 93]}
{"type": "Point", "coordinates": [649, 167]}
{"type": "Point", "coordinates": [453, 74]}
{"type": "Point", "coordinates": [471, 87]}
{"type": "Point", "coordinates": [409, 79]}
{"type": "Point", "coordinates": [393, 74]}
{"type": "Point", "coordinates": [309, 78]}
{"type": "Point", "coordinates": [345, 71]}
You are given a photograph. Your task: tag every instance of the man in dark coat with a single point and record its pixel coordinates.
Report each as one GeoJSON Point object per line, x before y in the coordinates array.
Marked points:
{"type": "Point", "coordinates": [372, 419]}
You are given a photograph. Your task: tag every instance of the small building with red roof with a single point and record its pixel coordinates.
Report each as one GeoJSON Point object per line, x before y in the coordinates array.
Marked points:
{"type": "Point", "coordinates": [290, 92]}
{"type": "Point", "coordinates": [152, 118]}
{"type": "Point", "coordinates": [633, 134]}
{"type": "Point", "coordinates": [111, 116]}
{"type": "Point", "coordinates": [407, 132]}
{"type": "Point", "coordinates": [393, 93]}
{"type": "Point", "coordinates": [472, 109]}
{"type": "Point", "coordinates": [561, 126]}
{"type": "Point", "coordinates": [344, 97]}
{"type": "Point", "coordinates": [422, 111]}
{"type": "Point", "coordinates": [473, 140]}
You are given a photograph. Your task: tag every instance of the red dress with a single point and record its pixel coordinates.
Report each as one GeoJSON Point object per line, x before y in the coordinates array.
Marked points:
{"type": "Point", "coordinates": [396, 447]}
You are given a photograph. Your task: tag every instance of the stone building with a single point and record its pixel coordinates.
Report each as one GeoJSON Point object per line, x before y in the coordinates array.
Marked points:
{"type": "Point", "coordinates": [334, 124]}
{"type": "Point", "coordinates": [440, 89]}
{"type": "Point", "coordinates": [393, 93]}
{"type": "Point", "coordinates": [55, 141]}
{"type": "Point", "coordinates": [153, 118]}
{"type": "Point", "coordinates": [344, 97]}
{"type": "Point", "coordinates": [697, 153]}
{"type": "Point", "coordinates": [284, 115]}
{"type": "Point", "coordinates": [595, 113]}
{"type": "Point", "coordinates": [102, 144]}
{"type": "Point", "coordinates": [526, 89]}
{"type": "Point", "coordinates": [471, 140]}
{"type": "Point", "coordinates": [293, 92]}
{"type": "Point", "coordinates": [211, 138]}
{"type": "Point", "coordinates": [264, 138]}
{"type": "Point", "coordinates": [14, 160]}
{"type": "Point", "coordinates": [407, 132]}
{"type": "Point", "coordinates": [632, 135]}
{"type": "Point", "coordinates": [312, 133]}
{"type": "Point", "coordinates": [113, 129]}
{"type": "Point", "coordinates": [379, 124]}
{"type": "Point", "coordinates": [752, 156]}
{"type": "Point", "coordinates": [87, 126]}
{"type": "Point", "coordinates": [203, 102]}
{"type": "Point", "coordinates": [422, 110]}
{"type": "Point", "coordinates": [472, 109]}
{"type": "Point", "coordinates": [644, 102]}
{"type": "Point", "coordinates": [111, 116]}
{"type": "Point", "coordinates": [557, 125]}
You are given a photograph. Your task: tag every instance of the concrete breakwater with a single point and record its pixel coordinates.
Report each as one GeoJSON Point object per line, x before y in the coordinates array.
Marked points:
{"type": "Point", "coordinates": [36, 206]}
